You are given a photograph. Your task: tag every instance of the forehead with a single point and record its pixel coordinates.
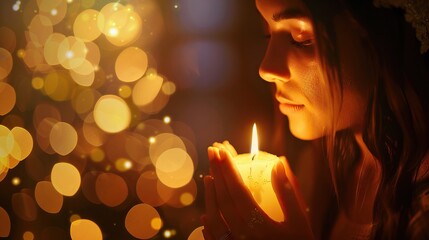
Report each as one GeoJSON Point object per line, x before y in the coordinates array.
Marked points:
{"type": "Point", "coordinates": [269, 8]}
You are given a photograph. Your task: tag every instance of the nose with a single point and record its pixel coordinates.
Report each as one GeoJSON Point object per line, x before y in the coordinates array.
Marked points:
{"type": "Point", "coordinates": [275, 66]}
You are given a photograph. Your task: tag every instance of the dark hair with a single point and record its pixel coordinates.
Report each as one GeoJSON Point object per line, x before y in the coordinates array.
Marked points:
{"type": "Point", "coordinates": [396, 122]}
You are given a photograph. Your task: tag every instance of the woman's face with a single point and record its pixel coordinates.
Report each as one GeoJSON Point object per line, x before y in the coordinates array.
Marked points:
{"type": "Point", "coordinates": [291, 63]}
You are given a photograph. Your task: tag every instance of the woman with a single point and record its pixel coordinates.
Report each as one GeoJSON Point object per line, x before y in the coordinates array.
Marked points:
{"type": "Point", "coordinates": [351, 73]}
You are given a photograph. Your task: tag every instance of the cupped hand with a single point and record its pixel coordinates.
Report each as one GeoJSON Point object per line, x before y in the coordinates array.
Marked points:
{"type": "Point", "coordinates": [232, 213]}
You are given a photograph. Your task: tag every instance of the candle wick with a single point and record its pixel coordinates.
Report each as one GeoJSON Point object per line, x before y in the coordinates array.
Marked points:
{"type": "Point", "coordinates": [253, 158]}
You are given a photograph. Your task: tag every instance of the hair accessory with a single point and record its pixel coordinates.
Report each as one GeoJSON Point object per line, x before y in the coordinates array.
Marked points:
{"type": "Point", "coordinates": [416, 13]}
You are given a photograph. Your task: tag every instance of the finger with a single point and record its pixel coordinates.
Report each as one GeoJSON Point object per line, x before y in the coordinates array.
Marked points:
{"type": "Point", "coordinates": [240, 193]}
{"type": "Point", "coordinates": [286, 195]}
{"type": "Point", "coordinates": [225, 203]}
{"type": "Point", "coordinates": [230, 148]}
{"type": "Point", "coordinates": [294, 181]}
{"type": "Point", "coordinates": [213, 220]}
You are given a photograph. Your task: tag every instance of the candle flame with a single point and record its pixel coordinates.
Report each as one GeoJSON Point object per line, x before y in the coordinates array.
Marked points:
{"type": "Point", "coordinates": [254, 149]}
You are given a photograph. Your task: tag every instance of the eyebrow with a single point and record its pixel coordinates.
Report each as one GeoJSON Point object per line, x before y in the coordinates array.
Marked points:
{"type": "Point", "coordinates": [288, 14]}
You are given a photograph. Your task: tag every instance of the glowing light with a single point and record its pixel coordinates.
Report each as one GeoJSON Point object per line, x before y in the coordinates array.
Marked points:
{"type": "Point", "coordinates": [85, 25]}
{"type": "Point", "coordinates": [6, 141]}
{"type": "Point", "coordinates": [168, 88]}
{"type": "Point", "coordinates": [7, 97]}
{"type": "Point", "coordinates": [97, 155]}
{"type": "Point", "coordinates": [16, 181]}
{"type": "Point", "coordinates": [65, 178]}
{"type": "Point", "coordinates": [112, 114]}
{"type": "Point", "coordinates": [123, 164]}
{"type": "Point", "coordinates": [24, 206]}
{"type": "Point", "coordinates": [28, 235]}
{"type": "Point", "coordinates": [197, 234]}
{"type": "Point", "coordinates": [63, 138]}
{"type": "Point", "coordinates": [167, 119]}
{"type": "Point", "coordinates": [23, 143]}
{"type": "Point", "coordinates": [174, 168]}
{"type": "Point", "coordinates": [84, 229]}
{"type": "Point", "coordinates": [6, 63]}
{"type": "Point", "coordinates": [74, 217]}
{"type": "Point", "coordinates": [147, 89]}
{"type": "Point", "coordinates": [254, 148]}
{"type": "Point", "coordinates": [152, 140]}
{"type": "Point", "coordinates": [37, 83]}
{"type": "Point", "coordinates": [111, 189]}
{"type": "Point", "coordinates": [5, 223]}
{"type": "Point", "coordinates": [47, 197]}
{"type": "Point", "coordinates": [131, 64]}
{"type": "Point", "coordinates": [16, 7]}
{"type": "Point", "coordinates": [113, 32]}
{"type": "Point", "coordinates": [143, 221]}
{"type": "Point", "coordinates": [50, 51]}
{"type": "Point", "coordinates": [121, 25]}
{"type": "Point", "coordinates": [69, 54]}
{"type": "Point", "coordinates": [168, 233]}
{"type": "Point", "coordinates": [146, 189]}
{"type": "Point", "coordinates": [186, 199]}
{"type": "Point", "coordinates": [54, 12]}
{"type": "Point", "coordinates": [125, 91]}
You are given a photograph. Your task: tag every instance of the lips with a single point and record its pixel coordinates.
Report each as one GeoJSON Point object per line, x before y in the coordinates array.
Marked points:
{"type": "Point", "coordinates": [288, 106]}
{"type": "Point", "coordinates": [283, 100]}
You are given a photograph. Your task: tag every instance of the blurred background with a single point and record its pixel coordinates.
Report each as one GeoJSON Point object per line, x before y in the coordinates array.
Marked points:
{"type": "Point", "coordinates": [107, 109]}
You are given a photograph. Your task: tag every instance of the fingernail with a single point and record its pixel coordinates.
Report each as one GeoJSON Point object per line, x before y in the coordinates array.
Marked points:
{"type": "Point", "coordinates": [210, 153]}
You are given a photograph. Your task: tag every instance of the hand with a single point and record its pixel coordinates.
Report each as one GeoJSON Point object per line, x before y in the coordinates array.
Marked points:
{"type": "Point", "coordinates": [232, 213]}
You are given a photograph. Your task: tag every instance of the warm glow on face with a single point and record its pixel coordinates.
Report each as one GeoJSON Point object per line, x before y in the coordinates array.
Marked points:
{"type": "Point", "coordinates": [255, 148]}
{"type": "Point", "coordinates": [65, 178]}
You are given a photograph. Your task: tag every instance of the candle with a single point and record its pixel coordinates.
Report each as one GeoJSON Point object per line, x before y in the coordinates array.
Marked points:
{"type": "Point", "coordinates": [255, 169]}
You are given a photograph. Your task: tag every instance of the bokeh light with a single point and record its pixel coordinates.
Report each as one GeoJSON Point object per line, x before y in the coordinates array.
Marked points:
{"type": "Point", "coordinates": [47, 197]}
{"type": "Point", "coordinates": [131, 64]}
{"type": "Point", "coordinates": [120, 24]}
{"type": "Point", "coordinates": [84, 229]}
{"type": "Point", "coordinates": [7, 98]}
{"type": "Point", "coordinates": [24, 206]}
{"type": "Point", "coordinates": [23, 143]}
{"type": "Point", "coordinates": [65, 178]}
{"type": "Point", "coordinates": [63, 138]}
{"type": "Point", "coordinates": [143, 221]}
{"type": "Point", "coordinates": [5, 223]}
{"type": "Point", "coordinates": [111, 189]}
{"type": "Point", "coordinates": [6, 63]}
{"type": "Point", "coordinates": [112, 114]}
{"type": "Point", "coordinates": [197, 234]}
{"type": "Point", "coordinates": [174, 167]}
{"type": "Point", "coordinates": [147, 89]}
{"type": "Point", "coordinates": [85, 25]}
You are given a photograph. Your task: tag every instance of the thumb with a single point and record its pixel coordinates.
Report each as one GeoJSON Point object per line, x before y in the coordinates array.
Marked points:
{"type": "Point", "coordinates": [288, 193]}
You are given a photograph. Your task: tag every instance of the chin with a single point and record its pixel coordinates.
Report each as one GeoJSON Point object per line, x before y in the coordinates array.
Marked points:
{"type": "Point", "coordinates": [304, 132]}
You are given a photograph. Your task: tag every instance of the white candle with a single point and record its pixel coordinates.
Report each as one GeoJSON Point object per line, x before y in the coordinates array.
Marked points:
{"type": "Point", "coordinates": [255, 169]}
